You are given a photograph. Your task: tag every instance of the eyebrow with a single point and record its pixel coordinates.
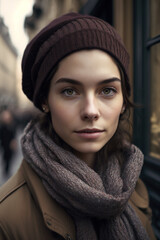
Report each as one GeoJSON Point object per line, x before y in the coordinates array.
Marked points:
{"type": "Point", "coordinates": [76, 82]}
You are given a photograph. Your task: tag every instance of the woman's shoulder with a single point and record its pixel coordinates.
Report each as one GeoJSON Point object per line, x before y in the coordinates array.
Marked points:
{"type": "Point", "coordinates": [140, 202]}
{"type": "Point", "coordinates": [27, 211]}
{"type": "Point", "coordinates": [16, 207]}
{"type": "Point", "coordinates": [140, 196]}
{"type": "Point", "coordinates": [12, 192]}
{"type": "Point", "coordinates": [13, 198]}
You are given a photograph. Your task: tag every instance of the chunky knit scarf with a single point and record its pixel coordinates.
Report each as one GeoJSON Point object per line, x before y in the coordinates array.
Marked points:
{"type": "Point", "coordinates": [98, 202]}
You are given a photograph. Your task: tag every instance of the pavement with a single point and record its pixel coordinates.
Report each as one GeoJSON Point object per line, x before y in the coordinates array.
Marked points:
{"type": "Point", "coordinates": [15, 163]}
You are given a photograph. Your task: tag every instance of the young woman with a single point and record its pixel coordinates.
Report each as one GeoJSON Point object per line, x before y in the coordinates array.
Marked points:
{"type": "Point", "coordinates": [80, 175]}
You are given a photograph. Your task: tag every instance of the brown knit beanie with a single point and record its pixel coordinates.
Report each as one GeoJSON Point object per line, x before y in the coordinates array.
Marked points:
{"type": "Point", "coordinates": [67, 34]}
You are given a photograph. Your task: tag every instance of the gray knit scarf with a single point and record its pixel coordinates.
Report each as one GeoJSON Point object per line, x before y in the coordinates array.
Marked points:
{"type": "Point", "coordinates": [97, 201]}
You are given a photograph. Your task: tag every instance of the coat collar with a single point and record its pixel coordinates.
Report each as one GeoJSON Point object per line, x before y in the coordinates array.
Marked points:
{"type": "Point", "coordinates": [140, 196]}
{"type": "Point", "coordinates": [55, 217]}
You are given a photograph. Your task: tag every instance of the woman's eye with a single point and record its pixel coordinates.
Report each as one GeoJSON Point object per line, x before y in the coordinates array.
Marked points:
{"type": "Point", "coordinates": [69, 92]}
{"type": "Point", "coordinates": [108, 91]}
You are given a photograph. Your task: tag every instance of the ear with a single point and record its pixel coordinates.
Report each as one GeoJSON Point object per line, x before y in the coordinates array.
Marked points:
{"type": "Point", "coordinates": [45, 108]}
{"type": "Point", "coordinates": [123, 109]}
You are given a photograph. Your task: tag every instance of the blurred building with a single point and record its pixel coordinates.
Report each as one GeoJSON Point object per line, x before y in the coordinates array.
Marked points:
{"type": "Point", "coordinates": [138, 24]}
{"type": "Point", "coordinates": [8, 68]}
{"type": "Point", "coordinates": [45, 11]}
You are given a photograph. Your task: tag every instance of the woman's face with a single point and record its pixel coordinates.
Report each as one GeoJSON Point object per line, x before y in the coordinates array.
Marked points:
{"type": "Point", "coordinates": [85, 101]}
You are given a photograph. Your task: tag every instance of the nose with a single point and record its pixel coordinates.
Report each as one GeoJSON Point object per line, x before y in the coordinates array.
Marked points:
{"type": "Point", "coordinates": [90, 111]}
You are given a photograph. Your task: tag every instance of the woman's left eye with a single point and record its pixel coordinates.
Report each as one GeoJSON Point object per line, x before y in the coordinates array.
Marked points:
{"type": "Point", "coordinates": [108, 91]}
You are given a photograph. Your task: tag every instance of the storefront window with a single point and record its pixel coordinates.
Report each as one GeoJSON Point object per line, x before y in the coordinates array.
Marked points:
{"type": "Point", "coordinates": [154, 18]}
{"type": "Point", "coordinates": [155, 80]}
{"type": "Point", "coordinates": [155, 101]}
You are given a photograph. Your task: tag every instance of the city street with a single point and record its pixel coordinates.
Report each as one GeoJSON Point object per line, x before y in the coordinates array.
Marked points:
{"type": "Point", "coordinates": [16, 161]}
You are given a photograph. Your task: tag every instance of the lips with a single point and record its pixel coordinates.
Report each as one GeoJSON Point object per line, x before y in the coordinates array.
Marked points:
{"type": "Point", "coordinates": [90, 134]}
{"type": "Point", "coordinates": [88, 130]}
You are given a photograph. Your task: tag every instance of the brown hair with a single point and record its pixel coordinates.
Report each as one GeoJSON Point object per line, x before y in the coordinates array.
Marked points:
{"type": "Point", "coordinates": [121, 140]}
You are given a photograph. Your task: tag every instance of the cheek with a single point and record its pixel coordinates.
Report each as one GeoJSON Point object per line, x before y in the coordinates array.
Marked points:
{"type": "Point", "coordinates": [60, 114]}
{"type": "Point", "coordinates": [57, 112]}
{"type": "Point", "coordinates": [113, 113]}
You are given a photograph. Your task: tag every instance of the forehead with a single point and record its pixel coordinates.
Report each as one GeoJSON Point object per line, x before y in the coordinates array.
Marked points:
{"type": "Point", "coordinates": [88, 65]}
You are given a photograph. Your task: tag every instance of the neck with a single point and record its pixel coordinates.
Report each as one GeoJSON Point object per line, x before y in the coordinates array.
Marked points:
{"type": "Point", "coordinates": [88, 158]}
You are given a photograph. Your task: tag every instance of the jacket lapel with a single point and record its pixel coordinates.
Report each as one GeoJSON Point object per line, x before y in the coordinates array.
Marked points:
{"type": "Point", "coordinates": [55, 217]}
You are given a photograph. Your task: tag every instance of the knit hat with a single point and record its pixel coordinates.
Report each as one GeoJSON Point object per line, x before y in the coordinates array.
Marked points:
{"type": "Point", "coordinates": [67, 34]}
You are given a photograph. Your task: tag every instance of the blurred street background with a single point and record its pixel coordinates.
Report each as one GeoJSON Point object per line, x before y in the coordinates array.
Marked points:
{"type": "Point", "coordinates": [14, 107]}
{"type": "Point", "coordinates": [14, 164]}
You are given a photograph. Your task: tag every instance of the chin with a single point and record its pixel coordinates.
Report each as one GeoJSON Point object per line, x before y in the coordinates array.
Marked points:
{"type": "Point", "coordinates": [88, 149]}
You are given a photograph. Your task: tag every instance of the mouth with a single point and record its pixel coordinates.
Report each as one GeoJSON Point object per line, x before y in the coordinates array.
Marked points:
{"type": "Point", "coordinates": [90, 133]}
{"type": "Point", "coordinates": [90, 130]}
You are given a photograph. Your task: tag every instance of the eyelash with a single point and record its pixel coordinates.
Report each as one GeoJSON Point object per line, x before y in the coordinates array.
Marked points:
{"type": "Point", "coordinates": [111, 89]}
{"type": "Point", "coordinates": [67, 89]}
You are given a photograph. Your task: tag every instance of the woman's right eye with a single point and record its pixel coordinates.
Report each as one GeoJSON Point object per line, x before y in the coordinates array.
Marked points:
{"type": "Point", "coordinates": [69, 92]}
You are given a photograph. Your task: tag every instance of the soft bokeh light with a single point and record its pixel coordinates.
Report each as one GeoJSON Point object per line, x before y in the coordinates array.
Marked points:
{"type": "Point", "coordinates": [14, 12]}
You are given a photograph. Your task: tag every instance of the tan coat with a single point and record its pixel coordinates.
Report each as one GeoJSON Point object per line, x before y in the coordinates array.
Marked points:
{"type": "Point", "coordinates": [27, 212]}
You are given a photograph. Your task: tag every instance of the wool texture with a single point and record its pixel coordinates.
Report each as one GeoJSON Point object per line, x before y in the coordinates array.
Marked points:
{"type": "Point", "coordinates": [97, 200]}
